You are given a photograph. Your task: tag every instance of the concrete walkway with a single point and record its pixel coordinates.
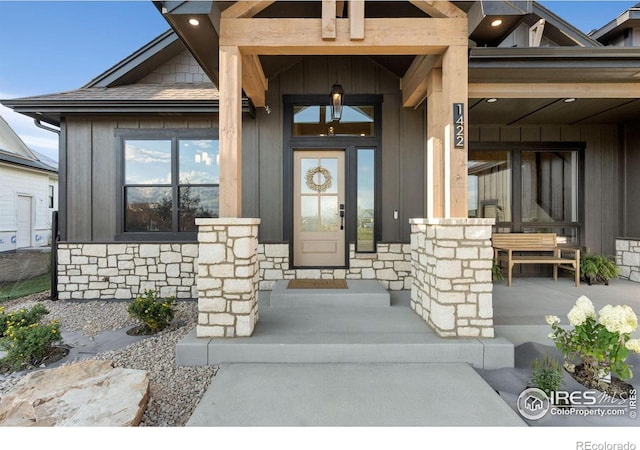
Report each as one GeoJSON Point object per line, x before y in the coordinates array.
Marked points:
{"type": "Point", "coordinates": [330, 395]}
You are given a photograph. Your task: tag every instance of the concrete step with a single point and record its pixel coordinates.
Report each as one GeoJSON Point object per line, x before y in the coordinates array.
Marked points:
{"type": "Point", "coordinates": [365, 293]}
{"type": "Point", "coordinates": [343, 335]}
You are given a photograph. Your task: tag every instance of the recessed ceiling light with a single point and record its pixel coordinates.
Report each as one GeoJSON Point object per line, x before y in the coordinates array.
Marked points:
{"type": "Point", "coordinates": [195, 22]}
{"type": "Point", "coordinates": [496, 23]}
{"type": "Point", "coordinates": [569, 100]}
{"type": "Point", "coordinates": [492, 100]}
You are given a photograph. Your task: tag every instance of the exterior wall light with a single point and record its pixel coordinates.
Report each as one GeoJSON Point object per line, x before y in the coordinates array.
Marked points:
{"type": "Point", "coordinates": [491, 100]}
{"type": "Point", "coordinates": [569, 100]}
{"type": "Point", "coordinates": [193, 21]}
{"type": "Point", "coordinates": [337, 94]}
{"type": "Point", "coordinates": [496, 23]}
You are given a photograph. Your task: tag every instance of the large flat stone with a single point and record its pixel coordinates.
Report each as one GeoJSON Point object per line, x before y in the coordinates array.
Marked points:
{"type": "Point", "coordinates": [86, 393]}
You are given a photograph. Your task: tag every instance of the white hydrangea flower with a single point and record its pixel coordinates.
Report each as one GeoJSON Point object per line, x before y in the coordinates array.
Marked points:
{"type": "Point", "coordinates": [618, 319]}
{"type": "Point", "coordinates": [585, 305]}
{"type": "Point", "coordinates": [630, 318]}
{"type": "Point", "coordinates": [633, 345]}
{"type": "Point", "coordinates": [576, 316]}
{"type": "Point", "coordinates": [551, 320]}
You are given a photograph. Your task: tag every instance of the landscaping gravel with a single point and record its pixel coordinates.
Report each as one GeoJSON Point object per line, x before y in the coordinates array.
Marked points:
{"type": "Point", "coordinates": [175, 391]}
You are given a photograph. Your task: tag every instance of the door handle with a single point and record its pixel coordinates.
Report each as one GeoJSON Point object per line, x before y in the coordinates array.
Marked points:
{"type": "Point", "coordinates": [342, 216]}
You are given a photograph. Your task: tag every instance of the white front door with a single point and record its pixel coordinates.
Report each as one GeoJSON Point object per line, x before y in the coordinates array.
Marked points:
{"type": "Point", "coordinates": [318, 208]}
{"type": "Point", "coordinates": [24, 231]}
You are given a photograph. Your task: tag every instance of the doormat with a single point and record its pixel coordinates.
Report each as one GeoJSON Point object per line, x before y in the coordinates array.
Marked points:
{"type": "Point", "coordinates": [317, 284]}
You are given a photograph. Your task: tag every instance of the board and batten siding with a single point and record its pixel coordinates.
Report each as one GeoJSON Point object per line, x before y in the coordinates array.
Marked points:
{"type": "Point", "coordinates": [631, 165]}
{"type": "Point", "coordinates": [403, 143]}
{"type": "Point", "coordinates": [602, 169]}
{"type": "Point", "coordinates": [91, 173]}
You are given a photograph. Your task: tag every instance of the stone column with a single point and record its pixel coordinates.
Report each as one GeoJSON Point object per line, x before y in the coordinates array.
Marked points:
{"type": "Point", "coordinates": [227, 277]}
{"type": "Point", "coordinates": [628, 258]}
{"type": "Point", "coordinates": [451, 267]}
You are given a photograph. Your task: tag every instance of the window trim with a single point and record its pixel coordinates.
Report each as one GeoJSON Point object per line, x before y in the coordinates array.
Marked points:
{"type": "Point", "coordinates": [515, 150]}
{"type": "Point", "coordinates": [174, 135]}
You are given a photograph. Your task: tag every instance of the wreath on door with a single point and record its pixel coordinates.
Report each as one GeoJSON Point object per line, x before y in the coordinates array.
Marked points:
{"type": "Point", "coordinates": [311, 174]}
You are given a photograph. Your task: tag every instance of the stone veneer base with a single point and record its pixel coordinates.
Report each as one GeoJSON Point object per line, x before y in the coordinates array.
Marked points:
{"type": "Point", "coordinates": [227, 277]}
{"type": "Point", "coordinates": [628, 258]}
{"type": "Point", "coordinates": [390, 265]}
{"type": "Point", "coordinates": [452, 287]}
{"type": "Point", "coordinates": [88, 271]}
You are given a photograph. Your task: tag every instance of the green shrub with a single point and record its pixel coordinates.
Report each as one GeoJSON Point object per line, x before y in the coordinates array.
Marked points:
{"type": "Point", "coordinates": [24, 338]}
{"type": "Point", "coordinates": [547, 374]}
{"type": "Point", "coordinates": [599, 268]}
{"type": "Point", "coordinates": [22, 318]}
{"type": "Point", "coordinates": [496, 272]}
{"type": "Point", "coordinates": [155, 314]}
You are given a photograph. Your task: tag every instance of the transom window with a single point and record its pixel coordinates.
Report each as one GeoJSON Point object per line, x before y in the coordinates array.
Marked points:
{"type": "Point", "coordinates": [167, 182]}
{"type": "Point", "coordinates": [315, 120]}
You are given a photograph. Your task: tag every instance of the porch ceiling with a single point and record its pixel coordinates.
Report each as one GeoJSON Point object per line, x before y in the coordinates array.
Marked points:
{"type": "Point", "coordinates": [552, 111]}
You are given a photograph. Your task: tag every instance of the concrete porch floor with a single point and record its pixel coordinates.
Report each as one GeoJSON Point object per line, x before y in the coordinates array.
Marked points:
{"type": "Point", "coordinates": [519, 310]}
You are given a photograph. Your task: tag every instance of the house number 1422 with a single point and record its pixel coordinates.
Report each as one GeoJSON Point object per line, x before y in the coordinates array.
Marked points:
{"type": "Point", "coordinates": [458, 120]}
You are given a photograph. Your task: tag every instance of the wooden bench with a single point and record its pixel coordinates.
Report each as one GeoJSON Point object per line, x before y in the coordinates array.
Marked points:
{"type": "Point", "coordinates": [506, 244]}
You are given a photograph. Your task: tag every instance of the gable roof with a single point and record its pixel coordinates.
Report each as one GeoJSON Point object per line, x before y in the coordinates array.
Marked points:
{"type": "Point", "coordinates": [14, 151]}
{"type": "Point", "coordinates": [135, 66]}
{"type": "Point", "coordinates": [10, 142]}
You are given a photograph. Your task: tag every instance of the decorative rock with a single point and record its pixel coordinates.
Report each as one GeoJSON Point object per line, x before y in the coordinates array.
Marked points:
{"type": "Point", "coordinates": [86, 393]}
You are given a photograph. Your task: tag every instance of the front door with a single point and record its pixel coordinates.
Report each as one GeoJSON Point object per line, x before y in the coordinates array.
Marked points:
{"type": "Point", "coordinates": [319, 208]}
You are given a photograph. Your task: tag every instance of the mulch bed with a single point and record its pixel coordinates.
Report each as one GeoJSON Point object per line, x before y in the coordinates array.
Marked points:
{"type": "Point", "coordinates": [617, 388]}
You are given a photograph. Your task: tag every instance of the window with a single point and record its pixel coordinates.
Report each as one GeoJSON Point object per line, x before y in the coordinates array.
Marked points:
{"type": "Point", "coordinates": [365, 240]}
{"type": "Point", "coordinates": [315, 120]}
{"type": "Point", "coordinates": [168, 182]}
{"type": "Point", "coordinates": [51, 196]}
{"type": "Point", "coordinates": [527, 189]}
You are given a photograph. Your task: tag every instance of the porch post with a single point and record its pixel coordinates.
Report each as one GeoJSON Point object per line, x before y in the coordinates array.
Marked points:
{"type": "Point", "coordinates": [455, 87]}
{"type": "Point", "coordinates": [435, 134]}
{"type": "Point", "coordinates": [230, 126]}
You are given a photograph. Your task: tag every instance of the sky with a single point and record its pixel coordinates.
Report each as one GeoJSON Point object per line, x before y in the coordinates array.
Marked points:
{"type": "Point", "coordinates": [55, 46]}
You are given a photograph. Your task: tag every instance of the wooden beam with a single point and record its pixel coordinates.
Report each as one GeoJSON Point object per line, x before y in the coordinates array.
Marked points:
{"type": "Point", "coordinates": [245, 8]}
{"type": "Point", "coordinates": [254, 82]}
{"type": "Point", "coordinates": [435, 130]}
{"type": "Point", "coordinates": [403, 36]}
{"type": "Point", "coordinates": [328, 19]}
{"type": "Point", "coordinates": [455, 82]}
{"type": "Point", "coordinates": [535, 33]}
{"type": "Point", "coordinates": [230, 132]}
{"type": "Point", "coordinates": [554, 90]}
{"type": "Point", "coordinates": [356, 19]}
{"type": "Point", "coordinates": [439, 8]}
{"type": "Point", "coordinates": [415, 83]}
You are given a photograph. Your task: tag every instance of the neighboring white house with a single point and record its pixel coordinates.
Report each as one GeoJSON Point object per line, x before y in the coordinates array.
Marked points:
{"type": "Point", "coordinates": [28, 193]}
